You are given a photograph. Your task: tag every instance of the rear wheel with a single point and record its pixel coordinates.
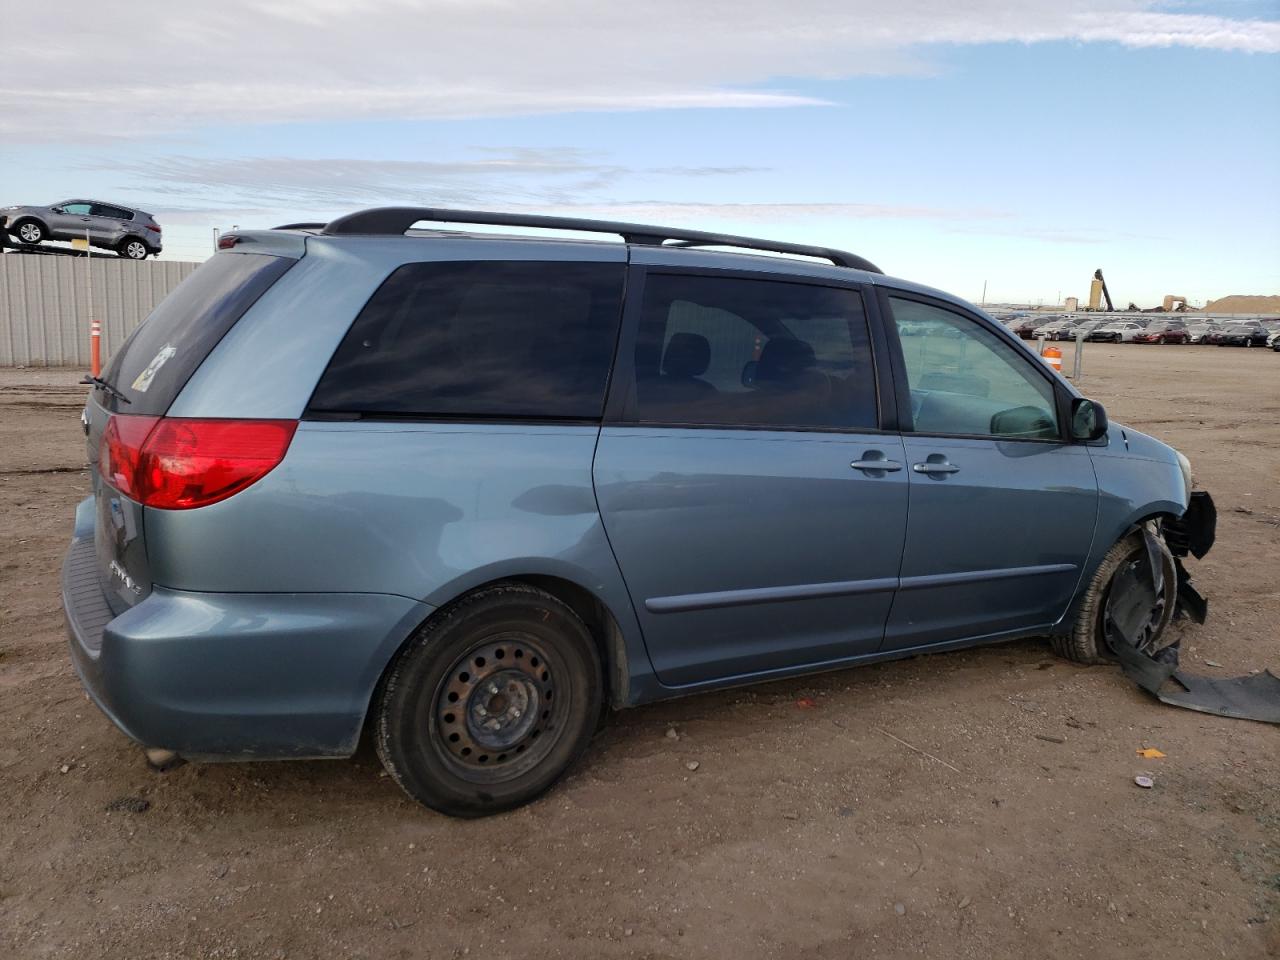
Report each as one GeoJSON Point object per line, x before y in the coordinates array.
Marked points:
{"type": "Point", "coordinates": [490, 702]}
{"type": "Point", "coordinates": [1107, 600]}
{"type": "Point", "coordinates": [30, 232]}
{"type": "Point", "coordinates": [132, 248]}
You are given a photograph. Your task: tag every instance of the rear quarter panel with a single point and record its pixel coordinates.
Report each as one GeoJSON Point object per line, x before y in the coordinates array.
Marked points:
{"type": "Point", "coordinates": [426, 511]}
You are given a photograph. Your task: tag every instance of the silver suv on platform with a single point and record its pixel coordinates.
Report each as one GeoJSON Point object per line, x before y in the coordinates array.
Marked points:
{"type": "Point", "coordinates": [134, 234]}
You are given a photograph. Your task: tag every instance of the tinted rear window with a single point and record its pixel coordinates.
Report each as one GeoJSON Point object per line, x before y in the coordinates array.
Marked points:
{"type": "Point", "coordinates": [756, 353]}
{"type": "Point", "coordinates": [159, 357]}
{"type": "Point", "coordinates": [480, 339]}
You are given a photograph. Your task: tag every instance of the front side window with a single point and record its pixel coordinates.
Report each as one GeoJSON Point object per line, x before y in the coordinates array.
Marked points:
{"type": "Point", "coordinates": [721, 351]}
{"type": "Point", "coordinates": [966, 381]}
{"type": "Point", "coordinates": [81, 209]}
{"type": "Point", "coordinates": [489, 339]}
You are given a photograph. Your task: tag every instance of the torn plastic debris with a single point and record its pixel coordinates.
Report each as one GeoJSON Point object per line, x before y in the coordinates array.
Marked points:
{"type": "Point", "coordinates": [1255, 696]}
{"type": "Point", "coordinates": [1129, 617]}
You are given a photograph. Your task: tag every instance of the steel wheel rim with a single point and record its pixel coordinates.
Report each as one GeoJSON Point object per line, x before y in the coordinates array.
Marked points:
{"type": "Point", "coordinates": [136, 251]}
{"type": "Point", "coordinates": [500, 708]}
{"type": "Point", "coordinates": [29, 232]}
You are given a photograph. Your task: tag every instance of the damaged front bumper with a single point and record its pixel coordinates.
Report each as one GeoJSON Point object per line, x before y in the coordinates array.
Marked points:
{"type": "Point", "coordinates": [1254, 696]}
{"type": "Point", "coordinates": [1192, 533]}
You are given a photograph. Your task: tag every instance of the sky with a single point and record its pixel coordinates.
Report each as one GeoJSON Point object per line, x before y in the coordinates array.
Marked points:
{"type": "Point", "coordinates": [965, 144]}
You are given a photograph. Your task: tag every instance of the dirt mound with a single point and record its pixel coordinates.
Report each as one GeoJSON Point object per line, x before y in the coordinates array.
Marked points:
{"type": "Point", "coordinates": [1239, 303]}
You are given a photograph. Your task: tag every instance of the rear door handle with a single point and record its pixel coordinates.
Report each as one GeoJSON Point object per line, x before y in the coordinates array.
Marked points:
{"type": "Point", "coordinates": [935, 467]}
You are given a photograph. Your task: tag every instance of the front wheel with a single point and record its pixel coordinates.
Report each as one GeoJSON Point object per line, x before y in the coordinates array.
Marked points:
{"type": "Point", "coordinates": [30, 232]}
{"type": "Point", "coordinates": [491, 702]}
{"type": "Point", "coordinates": [1110, 604]}
{"type": "Point", "coordinates": [133, 249]}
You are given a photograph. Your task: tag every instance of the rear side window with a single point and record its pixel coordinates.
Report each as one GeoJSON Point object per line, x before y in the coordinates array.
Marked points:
{"type": "Point", "coordinates": [720, 351]}
{"type": "Point", "coordinates": [492, 339]}
{"type": "Point", "coordinates": [159, 357]}
{"type": "Point", "coordinates": [115, 213]}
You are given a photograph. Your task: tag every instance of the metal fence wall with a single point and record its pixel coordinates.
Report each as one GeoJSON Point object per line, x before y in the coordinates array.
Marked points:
{"type": "Point", "coordinates": [45, 304]}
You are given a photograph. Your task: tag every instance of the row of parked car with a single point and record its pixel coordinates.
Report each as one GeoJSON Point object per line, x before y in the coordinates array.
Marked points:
{"type": "Point", "coordinates": [1234, 333]}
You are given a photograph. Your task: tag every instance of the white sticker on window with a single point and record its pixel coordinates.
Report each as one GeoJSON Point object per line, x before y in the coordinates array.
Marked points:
{"type": "Point", "coordinates": [159, 360]}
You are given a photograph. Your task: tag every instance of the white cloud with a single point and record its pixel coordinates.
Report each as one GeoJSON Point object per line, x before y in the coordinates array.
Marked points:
{"type": "Point", "coordinates": [262, 190]}
{"type": "Point", "coordinates": [509, 176]}
{"type": "Point", "coordinates": [79, 67]}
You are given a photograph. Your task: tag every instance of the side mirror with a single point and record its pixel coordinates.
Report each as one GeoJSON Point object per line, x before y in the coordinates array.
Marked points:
{"type": "Point", "coordinates": [57, 210]}
{"type": "Point", "coordinates": [1088, 420]}
{"type": "Point", "coordinates": [1026, 422]}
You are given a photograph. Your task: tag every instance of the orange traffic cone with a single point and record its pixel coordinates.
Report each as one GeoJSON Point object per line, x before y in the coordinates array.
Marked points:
{"type": "Point", "coordinates": [1053, 357]}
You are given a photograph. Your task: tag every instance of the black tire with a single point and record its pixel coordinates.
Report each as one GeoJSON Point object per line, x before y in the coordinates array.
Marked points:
{"type": "Point", "coordinates": [509, 648]}
{"type": "Point", "coordinates": [131, 248]}
{"type": "Point", "coordinates": [30, 232]}
{"type": "Point", "coordinates": [1087, 641]}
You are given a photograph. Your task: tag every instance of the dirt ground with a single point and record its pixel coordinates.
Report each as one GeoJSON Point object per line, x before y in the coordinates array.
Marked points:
{"type": "Point", "coordinates": [805, 831]}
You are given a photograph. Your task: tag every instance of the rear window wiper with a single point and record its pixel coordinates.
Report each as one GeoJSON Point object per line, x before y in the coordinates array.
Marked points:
{"type": "Point", "coordinates": [107, 387]}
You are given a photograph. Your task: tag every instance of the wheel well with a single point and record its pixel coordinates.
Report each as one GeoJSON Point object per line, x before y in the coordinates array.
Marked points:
{"type": "Point", "coordinates": [601, 624]}
{"type": "Point", "coordinates": [1160, 516]}
{"type": "Point", "coordinates": [1081, 588]}
{"type": "Point", "coordinates": [598, 618]}
{"type": "Point", "coordinates": [27, 219]}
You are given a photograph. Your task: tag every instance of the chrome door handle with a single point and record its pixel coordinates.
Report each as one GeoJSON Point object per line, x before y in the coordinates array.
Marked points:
{"type": "Point", "coordinates": [935, 467]}
{"type": "Point", "coordinates": [885, 466]}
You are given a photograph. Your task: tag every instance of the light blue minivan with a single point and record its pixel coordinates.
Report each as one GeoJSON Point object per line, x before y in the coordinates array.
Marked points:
{"type": "Point", "coordinates": [467, 490]}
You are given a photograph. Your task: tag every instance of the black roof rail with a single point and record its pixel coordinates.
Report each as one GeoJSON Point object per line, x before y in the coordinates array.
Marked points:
{"type": "Point", "coordinates": [300, 226]}
{"type": "Point", "coordinates": [396, 220]}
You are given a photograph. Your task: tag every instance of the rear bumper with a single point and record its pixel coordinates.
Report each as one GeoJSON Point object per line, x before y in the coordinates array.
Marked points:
{"type": "Point", "coordinates": [233, 676]}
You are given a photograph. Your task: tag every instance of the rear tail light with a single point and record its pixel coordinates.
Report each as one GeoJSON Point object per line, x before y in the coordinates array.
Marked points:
{"type": "Point", "coordinates": [176, 463]}
{"type": "Point", "coordinates": [120, 454]}
{"type": "Point", "coordinates": [154, 226]}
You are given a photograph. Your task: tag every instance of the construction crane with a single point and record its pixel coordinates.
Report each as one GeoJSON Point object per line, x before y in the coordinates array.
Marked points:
{"type": "Point", "coordinates": [1098, 291]}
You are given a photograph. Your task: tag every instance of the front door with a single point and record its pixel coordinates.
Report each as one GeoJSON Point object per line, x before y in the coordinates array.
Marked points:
{"type": "Point", "coordinates": [1002, 509]}
{"type": "Point", "coordinates": [756, 511]}
{"type": "Point", "coordinates": [72, 223]}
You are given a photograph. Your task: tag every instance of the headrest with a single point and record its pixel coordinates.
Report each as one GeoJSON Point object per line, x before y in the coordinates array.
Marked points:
{"type": "Point", "coordinates": [688, 355]}
{"type": "Point", "coordinates": [783, 359]}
